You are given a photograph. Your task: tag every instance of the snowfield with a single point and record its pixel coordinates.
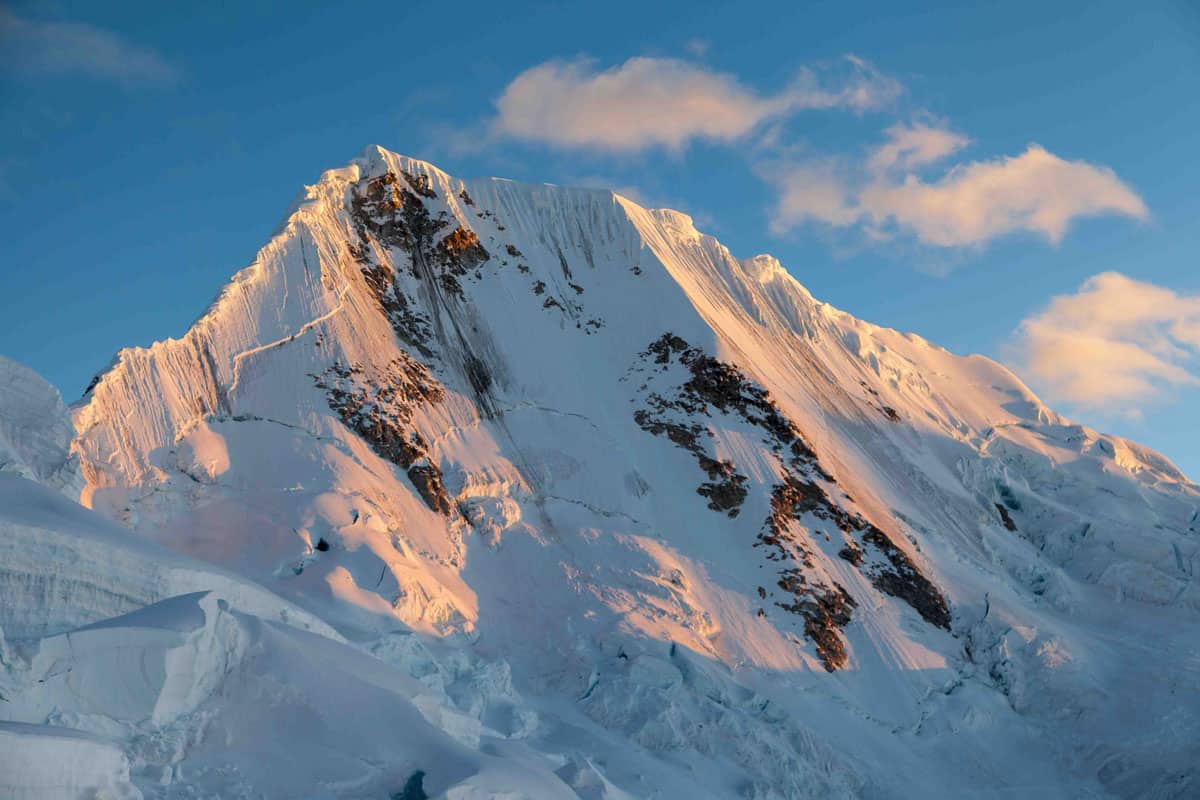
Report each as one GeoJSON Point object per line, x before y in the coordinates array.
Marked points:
{"type": "Point", "coordinates": [476, 488]}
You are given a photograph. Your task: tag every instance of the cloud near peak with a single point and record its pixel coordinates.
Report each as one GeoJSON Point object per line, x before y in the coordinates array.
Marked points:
{"type": "Point", "coordinates": [970, 204]}
{"type": "Point", "coordinates": [903, 186]}
{"type": "Point", "coordinates": [1114, 345]}
{"type": "Point", "coordinates": [667, 102]}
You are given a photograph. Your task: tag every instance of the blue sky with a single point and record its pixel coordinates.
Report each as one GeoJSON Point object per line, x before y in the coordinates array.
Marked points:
{"type": "Point", "coordinates": [948, 171]}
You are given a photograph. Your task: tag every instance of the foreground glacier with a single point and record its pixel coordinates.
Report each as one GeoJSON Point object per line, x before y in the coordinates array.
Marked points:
{"type": "Point", "coordinates": [497, 489]}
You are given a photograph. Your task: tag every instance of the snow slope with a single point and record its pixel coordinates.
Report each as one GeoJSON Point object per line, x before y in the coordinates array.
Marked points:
{"type": "Point", "coordinates": [651, 519]}
{"type": "Point", "coordinates": [191, 690]}
{"type": "Point", "coordinates": [35, 430]}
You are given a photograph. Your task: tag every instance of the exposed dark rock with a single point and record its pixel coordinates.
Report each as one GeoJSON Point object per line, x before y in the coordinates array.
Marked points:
{"type": "Point", "coordinates": [412, 327]}
{"type": "Point", "coordinates": [802, 495]}
{"type": "Point", "coordinates": [414, 788]}
{"type": "Point", "coordinates": [322, 545]}
{"type": "Point", "coordinates": [388, 213]}
{"type": "Point", "coordinates": [905, 581]}
{"type": "Point", "coordinates": [478, 375]}
{"type": "Point", "coordinates": [450, 284]}
{"type": "Point", "coordinates": [686, 437]}
{"type": "Point", "coordinates": [395, 216]}
{"type": "Point", "coordinates": [716, 385]}
{"type": "Point", "coordinates": [427, 479]}
{"type": "Point", "coordinates": [724, 387]}
{"type": "Point", "coordinates": [663, 347]}
{"type": "Point", "coordinates": [794, 497]}
{"type": "Point", "coordinates": [825, 611]}
{"type": "Point", "coordinates": [566, 268]}
{"type": "Point", "coordinates": [384, 210]}
{"type": "Point", "coordinates": [420, 184]}
{"type": "Point", "coordinates": [726, 487]}
{"type": "Point", "coordinates": [466, 198]}
{"type": "Point", "coordinates": [727, 494]}
{"type": "Point", "coordinates": [890, 413]}
{"type": "Point", "coordinates": [1006, 518]}
{"type": "Point", "coordinates": [513, 251]}
{"type": "Point", "coordinates": [1007, 497]}
{"type": "Point", "coordinates": [852, 553]}
{"type": "Point", "coordinates": [461, 251]}
{"type": "Point", "coordinates": [380, 412]}
{"type": "Point", "coordinates": [539, 287]}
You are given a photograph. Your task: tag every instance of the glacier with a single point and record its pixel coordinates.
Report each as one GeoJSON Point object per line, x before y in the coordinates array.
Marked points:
{"type": "Point", "coordinates": [474, 488]}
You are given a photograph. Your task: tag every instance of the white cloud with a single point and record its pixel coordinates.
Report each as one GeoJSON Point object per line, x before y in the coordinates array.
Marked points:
{"type": "Point", "coordinates": [969, 205]}
{"type": "Point", "coordinates": [666, 102]}
{"type": "Point", "coordinates": [975, 202]}
{"type": "Point", "coordinates": [73, 48]}
{"type": "Point", "coordinates": [914, 145]}
{"type": "Point", "coordinates": [810, 190]}
{"type": "Point", "coordinates": [1112, 346]}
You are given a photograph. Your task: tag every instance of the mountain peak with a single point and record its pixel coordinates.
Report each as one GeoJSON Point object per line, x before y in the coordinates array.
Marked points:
{"type": "Point", "coordinates": [653, 483]}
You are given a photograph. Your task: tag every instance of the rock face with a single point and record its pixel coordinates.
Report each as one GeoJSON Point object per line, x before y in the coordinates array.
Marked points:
{"type": "Point", "coordinates": [588, 456]}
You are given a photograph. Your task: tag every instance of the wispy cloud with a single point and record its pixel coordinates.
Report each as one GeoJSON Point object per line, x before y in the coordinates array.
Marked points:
{"type": "Point", "coordinates": [1113, 346]}
{"type": "Point", "coordinates": [666, 102]}
{"type": "Point", "coordinates": [810, 190]}
{"type": "Point", "coordinates": [698, 48]}
{"type": "Point", "coordinates": [970, 204]}
{"type": "Point", "coordinates": [918, 144]}
{"type": "Point", "coordinates": [74, 48]}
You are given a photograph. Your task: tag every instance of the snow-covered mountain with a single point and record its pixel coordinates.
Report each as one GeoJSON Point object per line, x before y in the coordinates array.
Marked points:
{"type": "Point", "coordinates": [485, 487]}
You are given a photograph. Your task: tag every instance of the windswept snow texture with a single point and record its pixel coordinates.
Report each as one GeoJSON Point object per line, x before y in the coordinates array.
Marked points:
{"type": "Point", "coordinates": [548, 495]}
{"type": "Point", "coordinates": [35, 430]}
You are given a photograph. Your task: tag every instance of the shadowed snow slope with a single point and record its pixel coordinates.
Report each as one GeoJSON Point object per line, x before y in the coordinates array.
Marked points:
{"type": "Point", "coordinates": [624, 516]}
{"type": "Point", "coordinates": [35, 430]}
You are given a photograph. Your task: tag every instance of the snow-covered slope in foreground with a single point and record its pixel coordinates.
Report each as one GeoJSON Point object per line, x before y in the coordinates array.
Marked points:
{"type": "Point", "coordinates": [195, 696]}
{"type": "Point", "coordinates": [656, 517]}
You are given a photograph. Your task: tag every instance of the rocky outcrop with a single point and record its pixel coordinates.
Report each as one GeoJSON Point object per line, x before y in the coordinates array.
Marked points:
{"type": "Point", "coordinates": [389, 214]}
{"type": "Point", "coordinates": [380, 411]}
{"type": "Point", "coordinates": [701, 388]}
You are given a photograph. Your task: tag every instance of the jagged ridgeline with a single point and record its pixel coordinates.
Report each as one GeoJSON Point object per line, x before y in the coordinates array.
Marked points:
{"type": "Point", "coordinates": [735, 541]}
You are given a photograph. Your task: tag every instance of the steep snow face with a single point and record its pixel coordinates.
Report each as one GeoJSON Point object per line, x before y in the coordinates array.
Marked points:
{"type": "Point", "coordinates": [674, 494]}
{"type": "Point", "coordinates": [35, 430]}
